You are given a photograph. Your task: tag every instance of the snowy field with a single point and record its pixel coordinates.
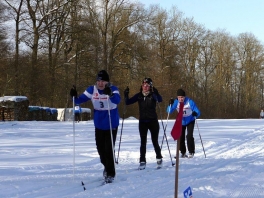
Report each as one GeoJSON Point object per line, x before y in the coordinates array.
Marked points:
{"type": "Point", "coordinates": [38, 160]}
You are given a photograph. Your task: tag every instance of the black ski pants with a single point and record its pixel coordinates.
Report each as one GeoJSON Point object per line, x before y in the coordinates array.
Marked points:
{"type": "Point", "coordinates": [77, 117]}
{"type": "Point", "coordinates": [104, 148]}
{"type": "Point", "coordinates": [189, 137]}
{"type": "Point", "coordinates": [153, 127]}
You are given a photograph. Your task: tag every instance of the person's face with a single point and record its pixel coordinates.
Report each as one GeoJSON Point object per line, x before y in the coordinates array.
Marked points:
{"type": "Point", "coordinates": [181, 98]}
{"type": "Point", "coordinates": [101, 84]}
{"type": "Point", "coordinates": [145, 87]}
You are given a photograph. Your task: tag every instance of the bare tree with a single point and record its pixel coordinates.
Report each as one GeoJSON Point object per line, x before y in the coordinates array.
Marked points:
{"type": "Point", "coordinates": [42, 15]}
{"type": "Point", "coordinates": [113, 18]}
{"type": "Point", "coordinates": [59, 42]}
{"type": "Point", "coordinates": [5, 48]}
{"type": "Point", "coordinates": [224, 64]}
{"type": "Point", "coordinates": [16, 11]}
{"type": "Point", "coordinates": [249, 64]}
{"type": "Point", "coordinates": [189, 51]}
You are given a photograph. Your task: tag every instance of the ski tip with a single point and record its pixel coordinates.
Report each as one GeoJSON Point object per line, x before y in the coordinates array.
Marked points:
{"type": "Point", "coordinates": [82, 183]}
{"type": "Point", "coordinates": [84, 189]}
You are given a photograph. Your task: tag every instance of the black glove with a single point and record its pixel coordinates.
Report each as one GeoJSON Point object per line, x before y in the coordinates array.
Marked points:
{"type": "Point", "coordinates": [73, 91]}
{"type": "Point", "coordinates": [107, 90]}
{"type": "Point", "coordinates": [171, 101]}
{"type": "Point", "coordinates": [194, 114]}
{"type": "Point", "coordinates": [155, 94]}
{"type": "Point", "coordinates": [155, 91]}
{"type": "Point", "coordinates": [126, 92]}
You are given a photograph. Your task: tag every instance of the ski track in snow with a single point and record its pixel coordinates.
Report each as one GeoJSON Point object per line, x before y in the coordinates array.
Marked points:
{"type": "Point", "coordinates": [37, 161]}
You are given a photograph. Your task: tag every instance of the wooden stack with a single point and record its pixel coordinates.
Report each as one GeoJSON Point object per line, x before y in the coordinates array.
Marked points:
{"type": "Point", "coordinates": [42, 113]}
{"type": "Point", "coordinates": [33, 113]}
{"type": "Point", "coordinates": [14, 108]}
{"type": "Point", "coordinates": [54, 114]}
{"type": "Point", "coordinates": [86, 114]}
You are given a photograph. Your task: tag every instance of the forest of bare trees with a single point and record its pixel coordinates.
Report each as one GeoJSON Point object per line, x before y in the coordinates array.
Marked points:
{"type": "Point", "coordinates": [46, 46]}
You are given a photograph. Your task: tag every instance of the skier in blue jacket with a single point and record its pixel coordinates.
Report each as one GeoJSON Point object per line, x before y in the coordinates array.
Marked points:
{"type": "Point", "coordinates": [190, 113]}
{"type": "Point", "coordinates": [77, 112]}
{"type": "Point", "coordinates": [104, 97]}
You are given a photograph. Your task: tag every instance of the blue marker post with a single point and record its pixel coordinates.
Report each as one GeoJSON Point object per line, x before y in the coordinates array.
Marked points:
{"type": "Point", "coordinates": [188, 193]}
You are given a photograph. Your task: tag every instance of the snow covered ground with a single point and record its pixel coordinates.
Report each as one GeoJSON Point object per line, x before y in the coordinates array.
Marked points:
{"type": "Point", "coordinates": [38, 160]}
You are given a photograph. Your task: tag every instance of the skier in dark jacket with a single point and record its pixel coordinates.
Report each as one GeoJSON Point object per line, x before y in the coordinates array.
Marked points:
{"type": "Point", "coordinates": [147, 99]}
{"type": "Point", "coordinates": [190, 113]}
{"type": "Point", "coordinates": [105, 97]}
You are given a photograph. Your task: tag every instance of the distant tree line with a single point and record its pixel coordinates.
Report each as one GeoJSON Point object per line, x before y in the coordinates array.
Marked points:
{"type": "Point", "coordinates": [46, 46]}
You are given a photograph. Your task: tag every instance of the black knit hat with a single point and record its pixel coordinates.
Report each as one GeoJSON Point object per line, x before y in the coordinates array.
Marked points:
{"type": "Point", "coordinates": [102, 75]}
{"type": "Point", "coordinates": [147, 80]}
{"type": "Point", "coordinates": [180, 92]}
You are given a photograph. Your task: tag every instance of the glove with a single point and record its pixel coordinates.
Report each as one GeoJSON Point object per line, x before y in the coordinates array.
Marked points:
{"type": "Point", "coordinates": [108, 91]}
{"type": "Point", "coordinates": [73, 91]}
{"type": "Point", "coordinates": [194, 114]}
{"type": "Point", "coordinates": [171, 101]}
{"type": "Point", "coordinates": [155, 91]}
{"type": "Point", "coordinates": [126, 92]}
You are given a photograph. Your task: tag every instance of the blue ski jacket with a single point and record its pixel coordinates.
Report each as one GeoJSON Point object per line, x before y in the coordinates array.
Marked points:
{"type": "Point", "coordinates": [77, 109]}
{"type": "Point", "coordinates": [188, 108]}
{"type": "Point", "coordinates": [102, 103]}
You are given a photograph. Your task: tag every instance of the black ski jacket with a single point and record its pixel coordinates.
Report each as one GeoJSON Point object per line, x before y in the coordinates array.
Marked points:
{"type": "Point", "coordinates": [147, 105]}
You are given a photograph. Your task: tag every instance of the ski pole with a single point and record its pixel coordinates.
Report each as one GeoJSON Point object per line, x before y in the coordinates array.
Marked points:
{"type": "Point", "coordinates": [165, 134]}
{"type": "Point", "coordinates": [73, 119]}
{"type": "Point", "coordinates": [200, 136]}
{"type": "Point", "coordinates": [165, 127]}
{"type": "Point", "coordinates": [110, 123]}
{"type": "Point", "coordinates": [124, 112]}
